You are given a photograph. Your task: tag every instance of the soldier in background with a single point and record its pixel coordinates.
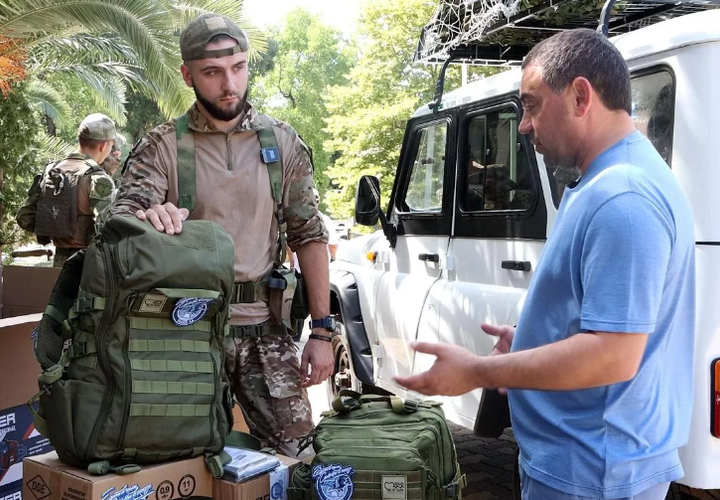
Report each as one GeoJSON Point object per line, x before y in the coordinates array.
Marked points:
{"type": "Point", "coordinates": [112, 163]}
{"type": "Point", "coordinates": [219, 151]}
{"type": "Point", "coordinates": [65, 200]}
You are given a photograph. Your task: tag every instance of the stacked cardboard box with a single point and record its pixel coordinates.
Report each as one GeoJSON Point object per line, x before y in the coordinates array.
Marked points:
{"type": "Point", "coordinates": [47, 478]}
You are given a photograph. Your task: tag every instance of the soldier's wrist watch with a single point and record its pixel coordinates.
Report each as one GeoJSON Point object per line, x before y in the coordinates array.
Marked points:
{"type": "Point", "coordinates": [328, 323]}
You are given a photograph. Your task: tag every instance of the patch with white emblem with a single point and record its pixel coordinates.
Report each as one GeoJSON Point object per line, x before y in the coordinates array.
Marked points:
{"type": "Point", "coordinates": [189, 311]}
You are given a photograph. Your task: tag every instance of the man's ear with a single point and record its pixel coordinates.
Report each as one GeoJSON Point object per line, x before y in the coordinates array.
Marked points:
{"type": "Point", "coordinates": [583, 94]}
{"type": "Point", "coordinates": [187, 76]}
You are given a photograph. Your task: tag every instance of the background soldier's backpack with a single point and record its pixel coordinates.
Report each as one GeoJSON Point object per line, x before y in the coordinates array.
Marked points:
{"type": "Point", "coordinates": [131, 346]}
{"type": "Point", "coordinates": [380, 447]}
{"type": "Point", "coordinates": [57, 213]}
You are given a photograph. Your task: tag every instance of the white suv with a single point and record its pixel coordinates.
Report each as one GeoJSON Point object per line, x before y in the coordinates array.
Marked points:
{"type": "Point", "coordinates": [471, 208]}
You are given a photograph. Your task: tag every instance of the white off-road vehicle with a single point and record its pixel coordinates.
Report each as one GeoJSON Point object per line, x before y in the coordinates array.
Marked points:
{"type": "Point", "coordinates": [471, 208]}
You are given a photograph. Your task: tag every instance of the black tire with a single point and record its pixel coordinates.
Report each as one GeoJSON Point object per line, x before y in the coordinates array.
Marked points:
{"type": "Point", "coordinates": [343, 376]}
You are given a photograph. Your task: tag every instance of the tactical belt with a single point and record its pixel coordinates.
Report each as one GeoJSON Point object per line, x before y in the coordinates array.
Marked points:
{"type": "Point", "coordinates": [256, 331]}
{"type": "Point", "coordinates": [247, 292]}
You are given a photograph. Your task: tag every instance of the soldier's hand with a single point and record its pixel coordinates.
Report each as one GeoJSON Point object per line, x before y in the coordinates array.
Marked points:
{"type": "Point", "coordinates": [167, 217]}
{"type": "Point", "coordinates": [317, 354]}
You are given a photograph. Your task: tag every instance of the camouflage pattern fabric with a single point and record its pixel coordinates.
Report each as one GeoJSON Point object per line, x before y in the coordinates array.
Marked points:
{"type": "Point", "coordinates": [145, 184]}
{"type": "Point", "coordinates": [264, 372]}
{"type": "Point", "coordinates": [265, 375]}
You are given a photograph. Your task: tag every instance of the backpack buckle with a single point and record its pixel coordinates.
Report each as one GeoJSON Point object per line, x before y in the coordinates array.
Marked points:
{"type": "Point", "coordinates": [451, 490]}
{"type": "Point", "coordinates": [215, 466]}
{"type": "Point", "coordinates": [411, 405]}
{"type": "Point", "coordinates": [83, 304]}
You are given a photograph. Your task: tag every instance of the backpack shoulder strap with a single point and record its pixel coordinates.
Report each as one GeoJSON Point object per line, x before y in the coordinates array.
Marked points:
{"type": "Point", "coordinates": [270, 153]}
{"type": "Point", "coordinates": [187, 189]}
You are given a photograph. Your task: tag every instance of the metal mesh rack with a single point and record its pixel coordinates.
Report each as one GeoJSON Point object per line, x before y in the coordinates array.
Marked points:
{"type": "Point", "coordinates": [503, 31]}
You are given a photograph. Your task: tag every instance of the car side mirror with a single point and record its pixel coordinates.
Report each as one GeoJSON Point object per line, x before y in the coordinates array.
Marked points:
{"type": "Point", "coordinates": [367, 201]}
{"type": "Point", "coordinates": [367, 207]}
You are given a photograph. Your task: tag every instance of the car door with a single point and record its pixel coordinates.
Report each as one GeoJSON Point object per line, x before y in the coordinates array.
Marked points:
{"type": "Point", "coordinates": [498, 233]}
{"type": "Point", "coordinates": [421, 209]}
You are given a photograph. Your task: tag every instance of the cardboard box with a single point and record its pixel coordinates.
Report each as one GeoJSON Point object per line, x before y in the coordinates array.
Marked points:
{"type": "Point", "coordinates": [18, 440]}
{"type": "Point", "coordinates": [271, 486]}
{"type": "Point", "coordinates": [47, 478]}
{"type": "Point", "coordinates": [18, 367]}
{"type": "Point", "coordinates": [26, 290]}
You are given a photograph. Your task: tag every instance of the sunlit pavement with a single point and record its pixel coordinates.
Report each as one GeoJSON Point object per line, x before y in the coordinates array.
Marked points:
{"type": "Point", "coordinates": [487, 463]}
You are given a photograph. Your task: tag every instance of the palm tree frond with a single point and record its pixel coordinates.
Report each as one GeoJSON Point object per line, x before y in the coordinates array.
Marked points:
{"type": "Point", "coordinates": [50, 101]}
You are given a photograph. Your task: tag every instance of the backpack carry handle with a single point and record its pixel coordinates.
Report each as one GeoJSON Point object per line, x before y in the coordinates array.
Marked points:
{"type": "Point", "coordinates": [348, 400]}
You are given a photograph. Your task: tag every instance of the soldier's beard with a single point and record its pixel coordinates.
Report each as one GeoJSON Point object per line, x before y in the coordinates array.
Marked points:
{"type": "Point", "coordinates": [219, 113]}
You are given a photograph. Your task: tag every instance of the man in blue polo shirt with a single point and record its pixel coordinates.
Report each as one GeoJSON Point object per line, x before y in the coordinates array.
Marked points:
{"type": "Point", "coordinates": [600, 373]}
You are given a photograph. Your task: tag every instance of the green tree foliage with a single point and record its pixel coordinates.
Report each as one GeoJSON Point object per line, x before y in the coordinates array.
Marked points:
{"type": "Point", "coordinates": [143, 115]}
{"type": "Point", "coordinates": [24, 149]}
{"type": "Point", "coordinates": [367, 117]}
{"type": "Point", "coordinates": [311, 57]}
{"type": "Point", "coordinates": [110, 42]}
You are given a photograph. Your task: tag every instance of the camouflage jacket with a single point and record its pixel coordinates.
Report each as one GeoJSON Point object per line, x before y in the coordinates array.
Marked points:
{"type": "Point", "coordinates": [233, 189]}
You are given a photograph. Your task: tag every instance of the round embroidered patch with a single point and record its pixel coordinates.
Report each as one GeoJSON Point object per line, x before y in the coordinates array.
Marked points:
{"type": "Point", "coordinates": [276, 492]}
{"type": "Point", "coordinates": [333, 482]}
{"type": "Point", "coordinates": [189, 311]}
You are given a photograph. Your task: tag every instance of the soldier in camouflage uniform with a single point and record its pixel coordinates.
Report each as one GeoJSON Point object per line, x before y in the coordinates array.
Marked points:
{"type": "Point", "coordinates": [111, 164]}
{"type": "Point", "coordinates": [96, 136]}
{"type": "Point", "coordinates": [233, 189]}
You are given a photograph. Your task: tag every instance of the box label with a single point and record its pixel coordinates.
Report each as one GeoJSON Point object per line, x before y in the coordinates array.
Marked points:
{"type": "Point", "coordinates": [39, 488]}
{"type": "Point", "coordinates": [132, 492]}
{"type": "Point", "coordinates": [394, 487]}
{"type": "Point", "coordinates": [18, 439]}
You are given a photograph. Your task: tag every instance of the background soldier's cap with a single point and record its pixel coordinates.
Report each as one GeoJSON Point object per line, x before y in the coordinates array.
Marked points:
{"type": "Point", "coordinates": [97, 126]}
{"type": "Point", "coordinates": [202, 29]}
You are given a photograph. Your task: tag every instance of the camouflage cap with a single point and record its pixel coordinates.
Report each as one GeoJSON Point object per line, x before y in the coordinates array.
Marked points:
{"type": "Point", "coordinates": [97, 126]}
{"type": "Point", "coordinates": [198, 33]}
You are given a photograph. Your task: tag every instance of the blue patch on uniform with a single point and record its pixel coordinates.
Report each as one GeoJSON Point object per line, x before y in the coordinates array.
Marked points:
{"type": "Point", "coordinates": [270, 155]}
{"type": "Point", "coordinates": [333, 482]}
{"type": "Point", "coordinates": [189, 311]}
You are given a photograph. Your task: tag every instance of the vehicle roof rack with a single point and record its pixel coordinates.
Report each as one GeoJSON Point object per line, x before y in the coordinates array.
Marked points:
{"type": "Point", "coordinates": [501, 32]}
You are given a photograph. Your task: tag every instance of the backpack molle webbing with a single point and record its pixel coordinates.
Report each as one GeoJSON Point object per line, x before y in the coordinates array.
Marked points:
{"type": "Point", "coordinates": [133, 350]}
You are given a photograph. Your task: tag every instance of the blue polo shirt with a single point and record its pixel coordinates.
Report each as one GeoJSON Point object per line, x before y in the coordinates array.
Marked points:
{"type": "Point", "coordinates": [620, 258]}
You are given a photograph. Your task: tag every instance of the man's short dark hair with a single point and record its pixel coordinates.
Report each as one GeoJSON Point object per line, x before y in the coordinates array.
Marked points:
{"type": "Point", "coordinates": [582, 52]}
{"type": "Point", "coordinates": [90, 143]}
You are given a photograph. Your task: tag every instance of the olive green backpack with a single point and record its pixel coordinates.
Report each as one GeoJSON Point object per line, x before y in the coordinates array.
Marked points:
{"type": "Point", "coordinates": [131, 345]}
{"type": "Point", "coordinates": [375, 447]}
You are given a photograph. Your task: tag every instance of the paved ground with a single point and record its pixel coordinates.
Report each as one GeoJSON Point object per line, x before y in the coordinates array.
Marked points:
{"type": "Point", "coordinates": [487, 463]}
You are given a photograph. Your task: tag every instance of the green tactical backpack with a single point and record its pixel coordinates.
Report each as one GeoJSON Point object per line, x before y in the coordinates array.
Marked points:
{"type": "Point", "coordinates": [380, 448]}
{"type": "Point", "coordinates": [131, 346]}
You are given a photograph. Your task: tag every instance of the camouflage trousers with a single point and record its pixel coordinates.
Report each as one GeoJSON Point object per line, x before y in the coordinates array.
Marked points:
{"type": "Point", "coordinates": [264, 373]}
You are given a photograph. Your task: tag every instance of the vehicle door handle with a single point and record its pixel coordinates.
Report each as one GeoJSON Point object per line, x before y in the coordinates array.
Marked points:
{"type": "Point", "coordinates": [429, 257]}
{"type": "Point", "coordinates": [517, 265]}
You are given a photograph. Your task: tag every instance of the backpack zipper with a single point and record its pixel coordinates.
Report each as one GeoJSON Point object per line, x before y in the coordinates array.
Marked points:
{"type": "Point", "coordinates": [127, 378]}
{"type": "Point", "coordinates": [106, 403]}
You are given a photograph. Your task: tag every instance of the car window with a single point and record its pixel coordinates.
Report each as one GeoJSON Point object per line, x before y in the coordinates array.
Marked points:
{"type": "Point", "coordinates": [425, 189]}
{"type": "Point", "coordinates": [653, 111]}
{"type": "Point", "coordinates": [497, 171]}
